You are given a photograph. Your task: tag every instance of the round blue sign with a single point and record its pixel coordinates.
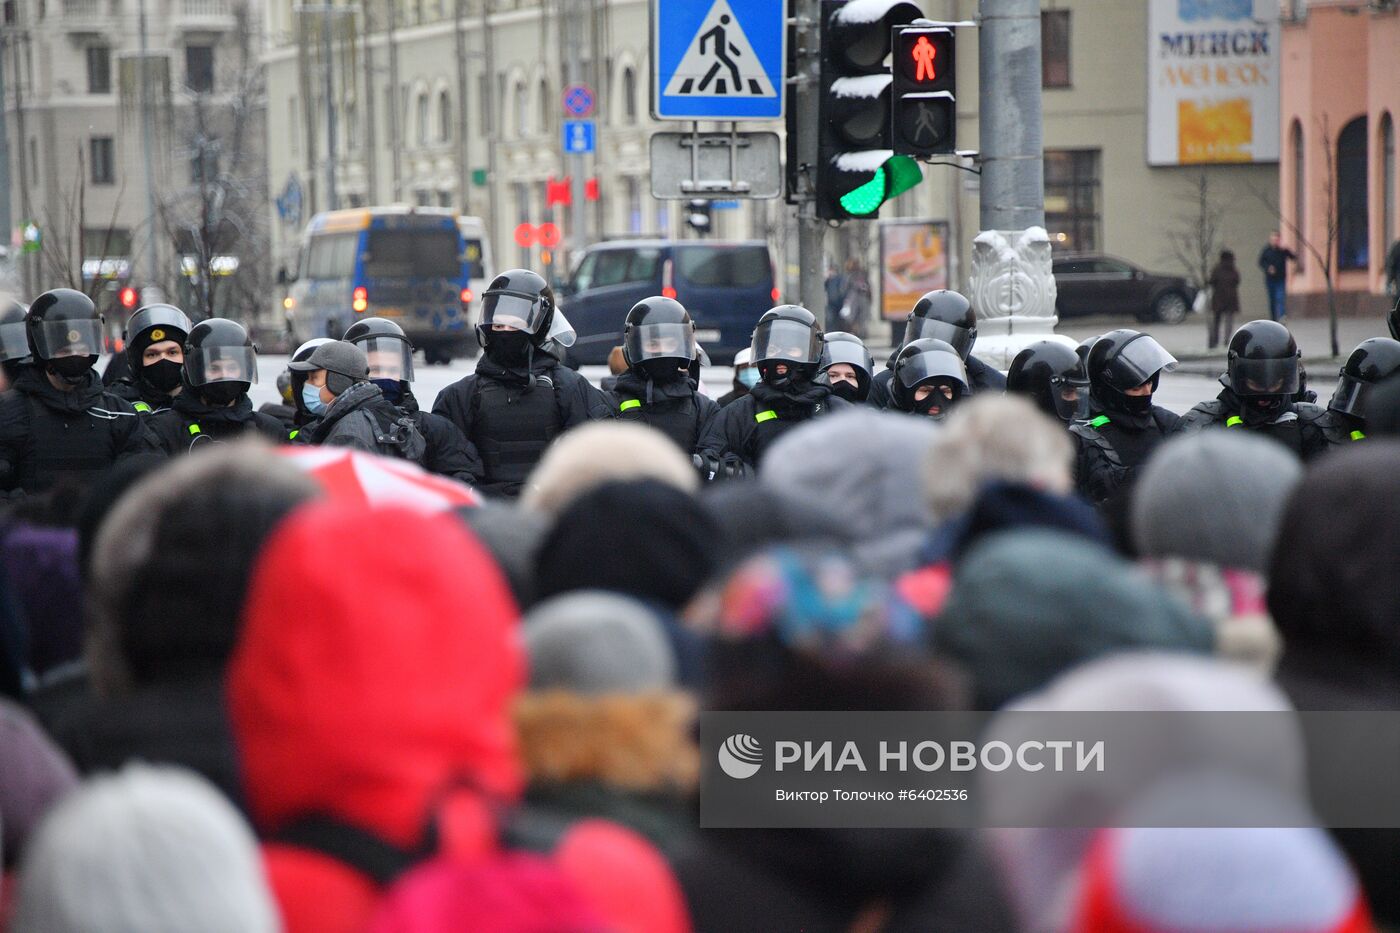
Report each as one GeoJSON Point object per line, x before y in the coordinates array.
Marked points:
{"type": "Point", "coordinates": [578, 100]}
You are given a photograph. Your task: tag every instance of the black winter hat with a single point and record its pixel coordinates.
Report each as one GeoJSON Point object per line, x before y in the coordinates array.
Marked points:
{"type": "Point", "coordinates": [642, 538]}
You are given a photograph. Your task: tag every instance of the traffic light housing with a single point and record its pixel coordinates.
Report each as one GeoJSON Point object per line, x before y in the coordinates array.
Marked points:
{"type": "Point", "coordinates": [697, 216]}
{"type": "Point", "coordinates": [925, 85]}
{"type": "Point", "coordinates": [857, 169]}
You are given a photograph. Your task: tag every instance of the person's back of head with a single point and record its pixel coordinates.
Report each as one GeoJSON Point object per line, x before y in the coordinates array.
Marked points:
{"type": "Point", "coordinates": [601, 452]}
{"type": "Point", "coordinates": [145, 850]}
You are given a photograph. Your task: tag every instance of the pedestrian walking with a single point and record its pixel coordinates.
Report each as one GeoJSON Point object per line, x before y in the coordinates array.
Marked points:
{"type": "Point", "coordinates": [1274, 259]}
{"type": "Point", "coordinates": [1224, 297]}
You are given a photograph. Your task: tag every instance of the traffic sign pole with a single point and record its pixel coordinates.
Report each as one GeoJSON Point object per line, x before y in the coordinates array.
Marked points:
{"type": "Point", "coordinates": [578, 228]}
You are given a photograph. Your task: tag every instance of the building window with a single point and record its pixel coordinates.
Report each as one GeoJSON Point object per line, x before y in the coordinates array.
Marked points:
{"type": "Point", "coordinates": [204, 164]}
{"type": "Point", "coordinates": [99, 69]}
{"type": "Point", "coordinates": [106, 242]}
{"type": "Point", "coordinates": [1388, 233]}
{"type": "Point", "coordinates": [294, 124]}
{"type": "Point", "coordinates": [444, 198]}
{"type": "Point", "coordinates": [101, 153]}
{"type": "Point", "coordinates": [1353, 211]}
{"type": "Point", "coordinates": [420, 112]}
{"type": "Point", "coordinates": [546, 105]}
{"type": "Point", "coordinates": [444, 117]}
{"type": "Point", "coordinates": [1073, 211]}
{"type": "Point", "coordinates": [199, 68]}
{"type": "Point", "coordinates": [1054, 48]}
{"type": "Point", "coordinates": [629, 95]}
{"type": "Point", "coordinates": [1300, 191]}
{"type": "Point", "coordinates": [423, 197]}
{"type": "Point", "coordinates": [522, 108]}
{"type": "Point", "coordinates": [634, 204]}
{"type": "Point", "coordinates": [352, 126]}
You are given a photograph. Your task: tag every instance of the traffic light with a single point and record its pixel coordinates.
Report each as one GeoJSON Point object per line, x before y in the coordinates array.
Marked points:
{"type": "Point", "coordinates": [128, 297]}
{"type": "Point", "coordinates": [697, 216]}
{"type": "Point", "coordinates": [925, 90]}
{"type": "Point", "coordinates": [857, 168]}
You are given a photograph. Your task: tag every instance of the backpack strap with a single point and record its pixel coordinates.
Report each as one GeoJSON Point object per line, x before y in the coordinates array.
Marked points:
{"type": "Point", "coordinates": [350, 845]}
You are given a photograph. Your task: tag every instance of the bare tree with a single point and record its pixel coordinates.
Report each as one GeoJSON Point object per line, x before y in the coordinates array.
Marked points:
{"type": "Point", "coordinates": [65, 247]}
{"type": "Point", "coordinates": [1195, 240]}
{"type": "Point", "coordinates": [1325, 252]}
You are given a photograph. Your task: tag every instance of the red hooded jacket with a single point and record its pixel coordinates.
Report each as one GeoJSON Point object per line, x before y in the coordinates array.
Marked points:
{"type": "Point", "coordinates": [372, 685]}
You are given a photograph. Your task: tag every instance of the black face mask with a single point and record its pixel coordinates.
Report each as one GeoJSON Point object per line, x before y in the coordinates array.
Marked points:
{"type": "Point", "coordinates": [392, 389]}
{"type": "Point", "coordinates": [1137, 404]}
{"type": "Point", "coordinates": [509, 348]}
{"type": "Point", "coordinates": [71, 369]}
{"type": "Point", "coordinates": [223, 393]}
{"type": "Point", "coordinates": [663, 370]}
{"type": "Point", "coordinates": [162, 375]}
{"type": "Point", "coordinates": [843, 389]}
{"type": "Point", "coordinates": [934, 399]}
{"type": "Point", "coordinates": [1262, 409]}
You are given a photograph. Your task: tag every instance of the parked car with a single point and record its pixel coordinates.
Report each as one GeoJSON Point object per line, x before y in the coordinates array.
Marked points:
{"type": "Point", "coordinates": [726, 286]}
{"type": "Point", "coordinates": [1107, 285]}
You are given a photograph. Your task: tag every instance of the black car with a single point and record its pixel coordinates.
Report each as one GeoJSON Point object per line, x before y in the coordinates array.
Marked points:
{"type": "Point", "coordinates": [1106, 285]}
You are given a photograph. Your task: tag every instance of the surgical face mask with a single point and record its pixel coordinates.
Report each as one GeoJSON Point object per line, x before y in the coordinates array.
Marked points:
{"type": "Point", "coordinates": [162, 375]}
{"type": "Point", "coordinates": [311, 399]}
{"type": "Point", "coordinates": [748, 376]}
{"type": "Point", "coordinates": [392, 389]}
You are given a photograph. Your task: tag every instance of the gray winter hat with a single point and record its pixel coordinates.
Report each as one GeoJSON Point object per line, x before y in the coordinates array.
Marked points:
{"type": "Point", "coordinates": [1216, 496]}
{"type": "Point", "coordinates": [339, 359]}
{"type": "Point", "coordinates": [592, 642]}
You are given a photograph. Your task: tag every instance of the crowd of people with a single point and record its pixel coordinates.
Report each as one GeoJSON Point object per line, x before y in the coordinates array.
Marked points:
{"type": "Point", "coordinates": [236, 697]}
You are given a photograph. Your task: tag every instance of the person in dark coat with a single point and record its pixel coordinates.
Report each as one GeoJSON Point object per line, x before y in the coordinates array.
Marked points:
{"type": "Point", "coordinates": [948, 316]}
{"type": "Point", "coordinates": [149, 371]}
{"type": "Point", "coordinates": [352, 410]}
{"type": "Point", "coordinates": [658, 345]}
{"type": "Point", "coordinates": [1273, 260]}
{"type": "Point", "coordinates": [1224, 297]}
{"type": "Point", "coordinates": [390, 355]}
{"type": "Point", "coordinates": [520, 398]}
{"type": "Point", "coordinates": [60, 424]}
{"type": "Point", "coordinates": [221, 364]}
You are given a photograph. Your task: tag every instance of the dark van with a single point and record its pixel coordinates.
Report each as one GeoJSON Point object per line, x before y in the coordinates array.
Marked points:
{"type": "Point", "coordinates": [726, 286]}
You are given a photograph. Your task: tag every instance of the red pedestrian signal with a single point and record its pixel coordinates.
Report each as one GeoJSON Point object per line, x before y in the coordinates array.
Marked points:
{"type": "Point", "coordinates": [548, 235]}
{"type": "Point", "coordinates": [128, 297]}
{"type": "Point", "coordinates": [924, 52]}
{"type": "Point", "coordinates": [525, 236]}
{"type": "Point", "coordinates": [924, 114]}
{"type": "Point", "coordinates": [924, 59]}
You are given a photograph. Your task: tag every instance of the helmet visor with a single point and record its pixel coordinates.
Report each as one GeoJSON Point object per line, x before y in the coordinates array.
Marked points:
{"type": "Point", "coordinates": [560, 330]}
{"type": "Point", "coordinates": [921, 327]}
{"type": "Point", "coordinates": [849, 352]}
{"type": "Point", "coordinates": [1071, 398]}
{"type": "Point", "coordinates": [1140, 359]}
{"type": "Point", "coordinates": [389, 358]}
{"type": "Point", "coordinates": [207, 365]}
{"type": "Point", "coordinates": [1350, 397]}
{"type": "Point", "coordinates": [14, 344]}
{"type": "Point", "coordinates": [1264, 377]}
{"type": "Point", "coordinates": [53, 339]}
{"type": "Point", "coordinates": [931, 364]}
{"type": "Point", "coordinates": [513, 309]}
{"type": "Point", "coordinates": [784, 341]}
{"type": "Point", "coordinates": [673, 341]}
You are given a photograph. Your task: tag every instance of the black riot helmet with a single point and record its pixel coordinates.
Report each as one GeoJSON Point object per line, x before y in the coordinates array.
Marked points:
{"type": "Point", "coordinates": [1053, 376]}
{"type": "Point", "coordinates": [63, 323]}
{"type": "Point", "coordinates": [520, 299]}
{"type": "Point", "coordinates": [927, 361]}
{"type": "Point", "coordinates": [153, 324]}
{"type": "Point", "coordinates": [387, 347]}
{"type": "Point", "coordinates": [944, 315]}
{"type": "Point", "coordinates": [221, 362]}
{"type": "Point", "coordinates": [659, 338]}
{"type": "Point", "coordinates": [787, 334]}
{"type": "Point", "coordinates": [14, 342]}
{"type": "Point", "coordinates": [1263, 361]}
{"type": "Point", "coordinates": [1125, 359]}
{"type": "Point", "coordinates": [1371, 361]}
{"type": "Point", "coordinates": [298, 377]}
{"type": "Point", "coordinates": [1392, 320]}
{"type": "Point", "coordinates": [838, 346]}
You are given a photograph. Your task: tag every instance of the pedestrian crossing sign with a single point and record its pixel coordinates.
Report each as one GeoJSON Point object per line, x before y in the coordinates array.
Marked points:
{"type": "Point", "coordinates": [717, 59]}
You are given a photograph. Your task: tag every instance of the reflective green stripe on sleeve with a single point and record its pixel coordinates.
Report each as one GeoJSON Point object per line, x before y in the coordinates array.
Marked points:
{"type": "Point", "coordinates": [194, 429]}
{"type": "Point", "coordinates": [1099, 422]}
{"type": "Point", "coordinates": [1233, 420]}
{"type": "Point", "coordinates": [1358, 435]}
{"type": "Point", "coordinates": [141, 407]}
{"type": "Point", "coordinates": [762, 416]}
{"type": "Point", "coordinates": [293, 436]}
{"type": "Point", "coordinates": [630, 404]}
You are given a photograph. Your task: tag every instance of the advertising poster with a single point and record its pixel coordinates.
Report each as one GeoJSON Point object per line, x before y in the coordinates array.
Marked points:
{"type": "Point", "coordinates": [1212, 81]}
{"type": "Point", "coordinates": [913, 260]}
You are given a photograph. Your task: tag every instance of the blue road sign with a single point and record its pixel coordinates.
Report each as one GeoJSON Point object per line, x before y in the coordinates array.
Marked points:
{"type": "Point", "coordinates": [724, 205]}
{"type": "Point", "coordinates": [580, 136]}
{"type": "Point", "coordinates": [717, 59]}
{"type": "Point", "coordinates": [578, 100]}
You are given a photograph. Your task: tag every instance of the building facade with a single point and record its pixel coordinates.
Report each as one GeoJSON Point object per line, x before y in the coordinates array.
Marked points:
{"type": "Point", "coordinates": [1339, 178]}
{"type": "Point", "coordinates": [141, 170]}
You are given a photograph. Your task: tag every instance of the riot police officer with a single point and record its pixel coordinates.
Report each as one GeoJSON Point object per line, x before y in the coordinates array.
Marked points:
{"type": "Point", "coordinates": [929, 378]}
{"type": "Point", "coordinates": [1124, 427]}
{"type": "Point", "coordinates": [302, 400]}
{"type": "Point", "coordinates": [520, 398]}
{"type": "Point", "coordinates": [846, 366]}
{"type": "Point", "coordinates": [59, 423]}
{"type": "Point", "coordinates": [1260, 391]}
{"type": "Point", "coordinates": [390, 356]}
{"type": "Point", "coordinates": [14, 344]}
{"type": "Point", "coordinates": [1051, 375]}
{"type": "Point", "coordinates": [220, 366]}
{"type": "Point", "coordinates": [657, 389]}
{"type": "Point", "coordinates": [155, 354]}
{"type": "Point", "coordinates": [948, 316]}
{"type": "Point", "coordinates": [787, 346]}
{"type": "Point", "coordinates": [1372, 361]}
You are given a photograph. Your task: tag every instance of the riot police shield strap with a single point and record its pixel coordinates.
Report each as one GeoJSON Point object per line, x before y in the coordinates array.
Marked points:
{"type": "Point", "coordinates": [53, 339]}
{"type": "Point", "coordinates": [785, 341]}
{"type": "Point", "coordinates": [1264, 377]}
{"type": "Point", "coordinates": [206, 365]}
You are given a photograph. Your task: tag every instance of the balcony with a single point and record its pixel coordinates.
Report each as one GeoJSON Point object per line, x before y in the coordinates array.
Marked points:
{"type": "Point", "coordinates": [205, 15]}
{"type": "Point", "coordinates": [87, 15]}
